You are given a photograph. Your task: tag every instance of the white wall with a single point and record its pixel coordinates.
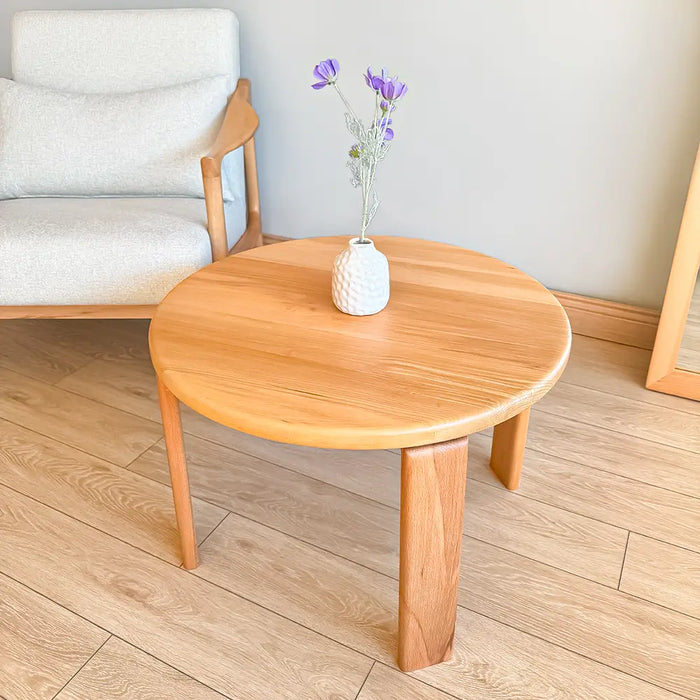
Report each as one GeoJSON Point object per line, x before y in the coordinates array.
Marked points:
{"type": "Point", "coordinates": [558, 135]}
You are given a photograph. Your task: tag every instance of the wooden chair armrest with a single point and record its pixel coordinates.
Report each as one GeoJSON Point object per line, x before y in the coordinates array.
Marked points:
{"type": "Point", "coordinates": [240, 123]}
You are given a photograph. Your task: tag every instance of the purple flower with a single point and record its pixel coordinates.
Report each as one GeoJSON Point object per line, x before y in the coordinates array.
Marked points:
{"type": "Point", "coordinates": [393, 89]}
{"type": "Point", "coordinates": [389, 133]}
{"type": "Point", "coordinates": [376, 81]}
{"type": "Point", "coordinates": [326, 72]}
{"type": "Point", "coordinates": [385, 106]}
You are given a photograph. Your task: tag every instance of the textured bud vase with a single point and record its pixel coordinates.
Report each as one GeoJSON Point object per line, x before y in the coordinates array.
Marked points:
{"type": "Point", "coordinates": [361, 279]}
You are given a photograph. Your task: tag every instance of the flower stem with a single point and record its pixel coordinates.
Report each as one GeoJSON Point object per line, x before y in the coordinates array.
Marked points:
{"type": "Point", "coordinates": [347, 104]}
{"type": "Point", "coordinates": [368, 173]}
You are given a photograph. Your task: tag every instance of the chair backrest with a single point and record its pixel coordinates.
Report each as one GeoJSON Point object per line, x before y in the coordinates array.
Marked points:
{"type": "Point", "coordinates": [123, 50]}
{"type": "Point", "coordinates": [114, 51]}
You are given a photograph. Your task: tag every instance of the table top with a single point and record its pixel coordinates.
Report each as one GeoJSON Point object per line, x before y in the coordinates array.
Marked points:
{"type": "Point", "coordinates": [254, 342]}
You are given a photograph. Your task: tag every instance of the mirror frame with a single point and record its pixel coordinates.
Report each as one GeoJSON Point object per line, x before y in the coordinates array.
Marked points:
{"type": "Point", "coordinates": [663, 374]}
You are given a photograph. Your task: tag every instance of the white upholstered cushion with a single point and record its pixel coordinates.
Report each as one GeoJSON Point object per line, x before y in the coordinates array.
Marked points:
{"type": "Point", "coordinates": [108, 51]}
{"type": "Point", "coordinates": [102, 251]}
{"type": "Point", "coordinates": [146, 143]}
{"type": "Point", "coordinates": [123, 50]}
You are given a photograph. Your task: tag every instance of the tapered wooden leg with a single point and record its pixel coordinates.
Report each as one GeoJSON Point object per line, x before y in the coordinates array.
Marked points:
{"type": "Point", "coordinates": [433, 481]}
{"type": "Point", "coordinates": [172, 427]}
{"type": "Point", "coordinates": [508, 449]}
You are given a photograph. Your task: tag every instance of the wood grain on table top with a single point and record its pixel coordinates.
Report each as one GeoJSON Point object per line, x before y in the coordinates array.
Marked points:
{"type": "Point", "coordinates": [255, 343]}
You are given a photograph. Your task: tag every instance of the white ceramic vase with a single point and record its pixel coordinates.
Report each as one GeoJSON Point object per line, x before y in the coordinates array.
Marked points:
{"type": "Point", "coordinates": [361, 279]}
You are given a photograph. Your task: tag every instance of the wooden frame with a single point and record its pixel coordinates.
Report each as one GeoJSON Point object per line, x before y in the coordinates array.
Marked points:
{"type": "Point", "coordinates": [239, 125]}
{"type": "Point", "coordinates": [663, 374]}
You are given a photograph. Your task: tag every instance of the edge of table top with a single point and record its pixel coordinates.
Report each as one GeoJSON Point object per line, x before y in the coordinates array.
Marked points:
{"type": "Point", "coordinates": [341, 436]}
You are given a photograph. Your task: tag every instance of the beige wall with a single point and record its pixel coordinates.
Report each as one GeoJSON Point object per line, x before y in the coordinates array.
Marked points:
{"type": "Point", "coordinates": [555, 134]}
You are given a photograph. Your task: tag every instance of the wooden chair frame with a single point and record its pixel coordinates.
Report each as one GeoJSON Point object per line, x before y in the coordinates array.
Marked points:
{"type": "Point", "coordinates": [239, 126]}
{"type": "Point", "coordinates": [663, 374]}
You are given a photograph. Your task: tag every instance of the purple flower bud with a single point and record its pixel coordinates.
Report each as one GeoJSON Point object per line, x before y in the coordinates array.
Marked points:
{"type": "Point", "coordinates": [354, 152]}
{"type": "Point", "coordinates": [386, 123]}
{"type": "Point", "coordinates": [393, 89]}
{"type": "Point", "coordinates": [326, 72]}
{"type": "Point", "coordinates": [375, 81]}
{"type": "Point", "coordinates": [385, 106]}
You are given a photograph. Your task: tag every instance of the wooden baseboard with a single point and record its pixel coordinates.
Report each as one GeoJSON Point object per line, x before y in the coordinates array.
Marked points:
{"type": "Point", "coordinates": [608, 320]}
{"type": "Point", "coordinates": [271, 238]}
{"type": "Point", "coordinates": [595, 318]}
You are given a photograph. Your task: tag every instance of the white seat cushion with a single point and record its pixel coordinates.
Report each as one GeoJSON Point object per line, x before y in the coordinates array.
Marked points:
{"type": "Point", "coordinates": [59, 251]}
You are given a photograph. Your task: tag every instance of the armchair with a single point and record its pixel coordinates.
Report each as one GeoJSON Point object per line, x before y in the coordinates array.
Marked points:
{"type": "Point", "coordinates": [70, 254]}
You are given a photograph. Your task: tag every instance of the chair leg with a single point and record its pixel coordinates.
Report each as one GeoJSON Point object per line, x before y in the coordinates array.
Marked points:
{"type": "Point", "coordinates": [433, 483]}
{"type": "Point", "coordinates": [172, 427]}
{"type": "Point", "coordinates": [508, 449]}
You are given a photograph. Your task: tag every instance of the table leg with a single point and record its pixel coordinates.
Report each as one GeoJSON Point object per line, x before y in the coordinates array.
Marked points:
{"type": "Point", "coordinates": [508, 448]}
{"type": "Point", "coordinates": [172, 427]}
{"type": "Point", "coordinates": [433, 482]}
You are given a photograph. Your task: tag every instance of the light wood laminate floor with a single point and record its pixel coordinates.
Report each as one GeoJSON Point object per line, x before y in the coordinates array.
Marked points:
{"type": "Point", "coordinates": [583, 584]}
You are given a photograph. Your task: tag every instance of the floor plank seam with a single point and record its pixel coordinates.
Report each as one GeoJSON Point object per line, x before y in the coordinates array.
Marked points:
{"type": "Point", "coordinates": [621, 476]}
{"type": "Point", "coordinates": [481, 481]}
{"type": "Point", "coordinates": [499, 487]}
{"type": "Point", "coordinates": [146, 419]}
{"type": "Point", "coordinates": [55, 602]}
{"type": "Point", "coordinates": [109, 634]}
{"type": "Point", "coordinates": [150, 447]}
{"type": "Point", "coordinates": [374, 663]}
{"type": "Point", "coordinates": [573, 651]}
{"type": "Point", "coordinates": [215, 528]}
{"type": "Point", "coordinates": [671, 544]}
{"type": "Point", "coordinates": [209, 583]}
{"type": "Point", "coordinates": [91, 361]}
{"type": "Point", "coordinates": [177, 566]}
{"type": "Point", "coordinates": [33, 378]}
{"type": "Point", "coordinates": [624, 557]}
{"type": "Point", "coordinates": [140, 416]}
{"type": "Point", "coordinates": [228, 511]}
{"type": "Point", "coordinates": [531, 449]}
{"type": "Point", "coordinates": [695, 618]}
{"type": "Point", "coordinates": [74, 447]}
{"type": "Point", "coordinates": [367, 498]}
{"type": "Point", "coordinates": [459, 605]}
{"type": "Point", "coordinates": [536, 408]}
{"type": "Point", "coordinates": [591, 517]}
{"type": "Point", "coordinates": [420, 680]}
{"type": "Point", "coordinates": [92, 656]}
{"type": "Point", "coordinates": [90, 525]}
{"type": "Point", "coordinates": [476, 612]}
{"type": "Point", "coordinates": [655, 406]}
{"type": "Point", "coordinates": [194, 572]}
{"type": "Point", "coordinates": [340, 556]}
{"type": "Point", "coordinates": [174, 668]}
{"type": "Point", "coordinates": [287, 468]}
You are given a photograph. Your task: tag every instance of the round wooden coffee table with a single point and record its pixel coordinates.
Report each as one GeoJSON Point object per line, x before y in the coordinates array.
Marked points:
{"type": "Point", "coordinates": [466, 342]}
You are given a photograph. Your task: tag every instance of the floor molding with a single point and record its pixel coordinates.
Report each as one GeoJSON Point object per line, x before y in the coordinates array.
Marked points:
{"type": "Point", "coordinates": [608, 320]}
{"type": "Point", "coordinates": [595, 318]}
